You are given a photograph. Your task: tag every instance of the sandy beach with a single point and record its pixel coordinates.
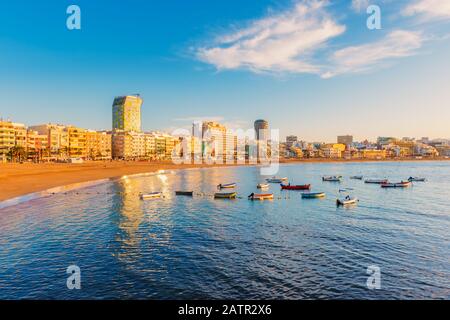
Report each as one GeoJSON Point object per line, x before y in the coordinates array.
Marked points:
{"type": "Point", "coordinates": [20, 179]}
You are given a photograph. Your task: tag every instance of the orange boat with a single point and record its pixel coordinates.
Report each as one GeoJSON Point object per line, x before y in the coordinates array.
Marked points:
{"type": "Point", "coordinates": [261, 196]}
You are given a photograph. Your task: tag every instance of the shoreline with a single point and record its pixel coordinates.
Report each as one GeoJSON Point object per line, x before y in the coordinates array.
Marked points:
{"type": "Point", "coordinates": [23, 180]}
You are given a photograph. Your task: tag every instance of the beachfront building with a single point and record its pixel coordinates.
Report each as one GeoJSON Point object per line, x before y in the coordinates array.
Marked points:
{"type": "Point", "coordinates": [7, 139]}
{"type": "Point", "coordinates": [20, 136]}
{"type": "Point", "coordinates": [98, 145]}
{"type": "Point", "coordinates": [261, 130]}
{"type": "Point", "coordinates": [37, 145]}
{"type": "Point", "coordinates": [332, 150]}
{"type": "Point", "coordinates": [291, 141]}
{"type": "Point", "coordinates": [214, 140]}
{"type": "Point", "coordinates": [345, 140]}
{"type": "Point", "coordinates": [58, 139]}
{"type": "Point", "coordinates": [425, 150]}
{"type": "Point", "coordinates": [373, 154]}
{"type": "Point", "coordinates": [126, 113]}
{"type": "Point", "coordinates": [77, 147]}
{"type": "Point", "coordinates": [130, 145]}
{"type": "Point", "coordinates": [122, 145]}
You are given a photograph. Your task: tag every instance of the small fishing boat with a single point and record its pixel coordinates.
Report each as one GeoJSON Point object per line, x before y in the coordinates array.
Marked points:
{"type": "Point", "coordinates": [262, 186]}
{"type": "Point", "coordinates": [295, 187]}
{"type": "Point", "coordinates": [347, 201]}
{"type": "Point", "coordinates": [261, 196]}
{"type": "Point", "coordinates": [313, 195]}
{"type": "Point", "coordinates": [376, 181]}
{"type": "Point", "coordinates": [151, 195]}
{"type": "Point", "coordinates": [225, 195]}
{"type": "Point", "coordinates": [402, 184]}
{"type": "Point", "coordinates": [416, 179]}
{"type": "Point", "coordinates": [332, 178]}
{"type": "Point", "coordinates": [276, 180]}
{"type": "Point", "coordinates": [184, 193]}
{"type": "Point", "coordinates": [227, 186]}
{"type": "Point", "coordinates": [356, 177]}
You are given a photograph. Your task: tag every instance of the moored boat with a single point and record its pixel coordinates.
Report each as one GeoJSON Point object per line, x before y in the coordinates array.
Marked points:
{"type": "Point", "coordinates": [225, 195]}
{"type": "Point", "coordinates": [313, 195]}
{"type": "Point", "coordinates": [332, 178]}
{"type": "Point", "coordinates": [402, 184]}
{"type": "Point", "coordinates": [227, 186]}
{"type": "Point", "coordinates": [276, 180]}
{"type": "Point", "coordinates": [347, 201]}
{"type": "Point", "coordinates": [376, 181]}
{"type": "Point", "coordinates": [416, 179]}
{"type": "Point", "coordinates": [261, 196]}
{"type": "Point", "coordinates": [295, 187]}
{"type": "Point", "coordinates": [151, 195]}
{"type": "Point", "coordinates": [184, 193]}
{"type": "Point", "coordinates": [356, 177]}
{"type": "Point", "coordinates": [262, 186]}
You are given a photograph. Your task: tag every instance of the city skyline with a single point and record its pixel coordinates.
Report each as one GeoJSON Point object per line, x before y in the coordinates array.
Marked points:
{"type": "Point", "coordinates": [71, 76]}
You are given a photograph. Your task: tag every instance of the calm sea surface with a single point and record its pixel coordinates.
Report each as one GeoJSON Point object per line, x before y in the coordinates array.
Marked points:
{"type": "Point", "coordinates": [182, 248]}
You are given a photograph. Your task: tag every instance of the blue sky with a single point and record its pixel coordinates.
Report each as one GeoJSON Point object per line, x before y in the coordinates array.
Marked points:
{"type": "Point", "coordinates": [311, 68]}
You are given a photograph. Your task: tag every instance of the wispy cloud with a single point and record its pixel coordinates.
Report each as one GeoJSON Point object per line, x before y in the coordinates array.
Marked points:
{"type": "Point", "coordinates": [429, 9]}
{"type": "Point", "coordinates": [284, 42]}
{"type": "Point", "coordinates": [299, 41]}
{"type": "Point", "coordinates": [363, 58]}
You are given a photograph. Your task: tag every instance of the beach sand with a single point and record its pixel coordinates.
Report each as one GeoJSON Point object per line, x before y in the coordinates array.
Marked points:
{"type": "Point", "coordinates": [20, 179]}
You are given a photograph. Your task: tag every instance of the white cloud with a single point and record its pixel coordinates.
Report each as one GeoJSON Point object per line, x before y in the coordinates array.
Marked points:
{"type": "Point", "coordinates": [283, 42]}
{"type": "Point", "coordinates": [298, 41]}
{"type": "Point", "coordinates": [430, 9]}
{"type": "Point", "coordinates": [360, 5]}
{"type": "Point", "coordinates": [365, 57]}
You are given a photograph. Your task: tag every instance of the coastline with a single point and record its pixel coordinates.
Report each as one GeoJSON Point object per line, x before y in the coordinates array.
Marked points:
{"type": "Point", "coordinates": [28, 178]}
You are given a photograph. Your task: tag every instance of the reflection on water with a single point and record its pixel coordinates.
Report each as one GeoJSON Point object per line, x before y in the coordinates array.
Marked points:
{"type": "Point", "coordinates": [183, 247]}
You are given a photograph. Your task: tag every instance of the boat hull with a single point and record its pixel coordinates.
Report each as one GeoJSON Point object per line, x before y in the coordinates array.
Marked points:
{"type": "Point", "coordinates": [184, 193]}
{"type": "Point", "coordinates": [297, 187]}
{"type": "Point", "coordinates": [344, 202]}
{"type": "Point", "coordinates": [314, 195]}
{"type": "Point", "coordinates": [396, 185]}
{"type": "Point", "coordinates": [261, 196]}
{"type": "Point", "coordinates": [376, 181]}
{"type": "Point", "coordinates": [225, 195]}
{"type": "Point", "coordinates": [149, 196]}
{"type": "Point", "coordinates": [227, 186]}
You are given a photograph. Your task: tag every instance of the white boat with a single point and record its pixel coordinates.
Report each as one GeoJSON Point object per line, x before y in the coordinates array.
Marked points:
{"type": "Point", "coordinates": [346, 201]}
{"type": "Point", "coordinates": [376, 181]}
{"type": "Point", "coordinates": [332, 178]}
{"type": "Point", "coordinates": [262, 186]}
{"type": "Point", "coordinates": [227, 186]}
{"type": "Point", "coordinates": [276, 180]}
{"type": "Point", "coordinates": [151, 195]}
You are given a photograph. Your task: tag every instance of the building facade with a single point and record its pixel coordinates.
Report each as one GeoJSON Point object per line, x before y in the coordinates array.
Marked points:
{"type": "Point", "coordinates": [126, 113]}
